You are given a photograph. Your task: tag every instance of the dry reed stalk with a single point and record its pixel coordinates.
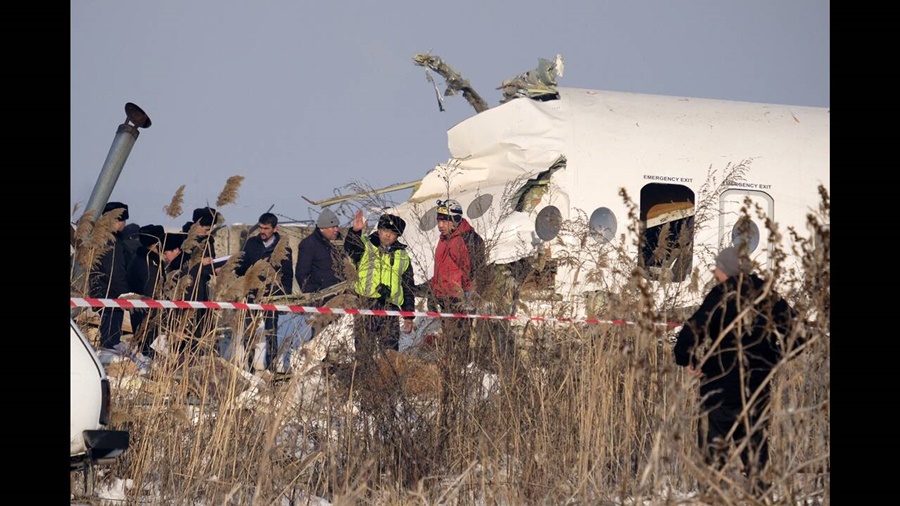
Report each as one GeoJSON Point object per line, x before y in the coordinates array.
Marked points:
{"type": "Point", "coordinates": [257, 276]}
{"type": "Point", "coordinates": [95, 239]}
{"type": "Point", "coordinates": [173, 209]}
{"type": "Point", "coordinates": [227, 285]}
{"type": "Point", "coordinates": [229, 193]}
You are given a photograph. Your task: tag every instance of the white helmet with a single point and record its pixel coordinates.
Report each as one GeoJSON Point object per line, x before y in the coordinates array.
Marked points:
{"type": "Point", "coordinates": [450, 208]}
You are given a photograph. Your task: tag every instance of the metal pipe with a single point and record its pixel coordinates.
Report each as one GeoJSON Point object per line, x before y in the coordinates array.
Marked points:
{"type": "Point", "coordinates": [126, 135]}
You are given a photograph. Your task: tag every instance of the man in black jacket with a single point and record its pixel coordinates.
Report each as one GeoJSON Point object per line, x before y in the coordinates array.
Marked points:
{"type": "Point", "coordinates": [107, 281]}
{"type": "Point", "coordinates": [320, 266]}
{"type": "Point", "coordinates": [740, 332]}
{"type": "Point", "coordinates": [196, 260]}
{"type": "Point", "coordinates": [319, 262]}
{"type": "Point", "coordinates": [146, 276]}
{"type": "Point", "coordinates": [262, 247]}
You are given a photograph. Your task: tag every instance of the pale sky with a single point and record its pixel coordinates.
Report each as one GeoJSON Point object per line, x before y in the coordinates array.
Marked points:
{"type": "Point", "coordinates": [302, 98]}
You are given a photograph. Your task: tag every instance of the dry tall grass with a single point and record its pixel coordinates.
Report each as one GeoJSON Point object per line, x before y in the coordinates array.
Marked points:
{"type": "Point", "coordinates": [546, 413]}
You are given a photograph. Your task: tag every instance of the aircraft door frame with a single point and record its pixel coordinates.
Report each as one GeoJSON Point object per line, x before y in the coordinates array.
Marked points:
{"type": "Point", "coordinates": [730, 203]}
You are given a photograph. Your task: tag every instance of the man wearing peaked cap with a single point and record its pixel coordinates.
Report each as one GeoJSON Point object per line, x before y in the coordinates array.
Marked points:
{"type": "Point", "coordinates": [393, 223]}
{"type": "Point", "coordinates": [131, 230]}
{"type": "Point", "coordinates": [384, 281]}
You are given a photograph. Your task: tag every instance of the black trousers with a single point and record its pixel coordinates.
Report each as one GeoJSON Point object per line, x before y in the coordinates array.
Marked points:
{"type": "Point", "coordinates": [713, 435]}
{"type": "Point", "coordinates": [111, 320]}
{"type": "Point", "coordinates": [373, 335]}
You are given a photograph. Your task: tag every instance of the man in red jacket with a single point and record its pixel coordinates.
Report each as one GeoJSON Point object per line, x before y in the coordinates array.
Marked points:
{"type": "Point", "coordinates": [458, 259]}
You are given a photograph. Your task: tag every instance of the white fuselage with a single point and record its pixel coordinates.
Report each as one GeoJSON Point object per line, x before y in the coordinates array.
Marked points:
{"type": "Point", "coordinates": [670, 154]}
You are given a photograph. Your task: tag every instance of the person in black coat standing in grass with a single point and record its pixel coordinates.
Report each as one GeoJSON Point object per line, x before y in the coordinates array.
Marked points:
{"type": "Point", "coordinates": [742, 330]}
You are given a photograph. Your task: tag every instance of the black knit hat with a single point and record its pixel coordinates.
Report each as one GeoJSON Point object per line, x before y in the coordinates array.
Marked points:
{"type": "Point", "coordinates": [151, 234]}
{"type": "Point", "coordinates": [393, 223]}
{"type": "Point", "coordinates": [205, 216]}
{"type": "Point", "coordinates": [112, 206]}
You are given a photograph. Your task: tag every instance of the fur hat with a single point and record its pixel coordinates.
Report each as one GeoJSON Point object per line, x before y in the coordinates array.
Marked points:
{"type": "Point", "coordinates": [173, 240]}
{"type": "Point", "coordinates": [393, 223]}
{"type": "Point", "coordinates": [205, 216]}
{"type": "Point", "coordinates": [112, 206]}
{"type": "Point", "coordinates": [730, 262]}
{"type": "Point", "coordinates": [327, 219]}
{"type": "Point", "coordinates": [151, 234]}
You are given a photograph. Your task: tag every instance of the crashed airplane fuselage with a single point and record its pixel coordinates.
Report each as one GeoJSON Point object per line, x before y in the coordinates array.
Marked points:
{"type": "Point", "coordinates": [527, 170]}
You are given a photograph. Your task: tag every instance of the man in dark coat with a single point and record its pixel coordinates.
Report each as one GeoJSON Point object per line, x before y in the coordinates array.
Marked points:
{"type": "Point", "coordinates": [319, 266]}
{"type": "Point", "coordinates": [740, 332]}
{"type": "Point", "coordinates": [261, 247]}
{"type": "Point", "coordinates": [131, 241]}
{"type": "Point", "coordinates": [199, 251]}
{"type": "Point", "coordinates": [319, 262]}
{"type": "Point", "coordinates": [107, 281]}
{"type": "Point", "coordinates": [146, 277]}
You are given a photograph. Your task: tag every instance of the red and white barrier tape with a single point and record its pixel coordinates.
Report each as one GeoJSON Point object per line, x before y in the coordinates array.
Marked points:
{"type": "Point", "coordinates": [193, 304]}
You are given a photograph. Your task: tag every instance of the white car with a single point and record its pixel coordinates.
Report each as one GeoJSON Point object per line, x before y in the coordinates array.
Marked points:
{"type": "Point", "coordinates": [91, 441]}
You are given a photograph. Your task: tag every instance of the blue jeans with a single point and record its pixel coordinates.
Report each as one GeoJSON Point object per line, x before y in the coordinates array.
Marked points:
{"type": "Point", "coordinates": [293, 330]}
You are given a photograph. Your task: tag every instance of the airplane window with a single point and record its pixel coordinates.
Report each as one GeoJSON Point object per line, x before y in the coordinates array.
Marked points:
{"type": "Point", "coordinates": [745, 228]}
{"type": "Point", "coordinates": [548, 223]}
{"type": "Point", "coordinates": [428, 220]}
{"type": "Point", "coordinates": [603, 224]}
{"type": "Point", "coordinates": [479, 206]}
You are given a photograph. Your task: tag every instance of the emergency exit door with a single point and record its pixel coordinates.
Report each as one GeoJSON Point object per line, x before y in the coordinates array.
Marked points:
{"type": "Point", "coordinates": [737, 225]}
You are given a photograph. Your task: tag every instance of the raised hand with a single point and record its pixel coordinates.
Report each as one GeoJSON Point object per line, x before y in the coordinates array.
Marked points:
{"type": "Point", "coordinates": [359, 221]}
